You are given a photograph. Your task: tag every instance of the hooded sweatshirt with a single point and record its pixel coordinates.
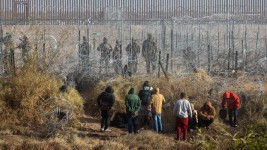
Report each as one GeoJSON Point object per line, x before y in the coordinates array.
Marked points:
{"type": "Point", "coordinates": [106, 98]}
{"type": "Point", "coordinates": [232, 100]}
{"type": "Point", "coordinates": [156, 102]}
{"type": "Point", "coordinates": [207, 110]}
{"type": "Point", "coordinates": [132, 102]}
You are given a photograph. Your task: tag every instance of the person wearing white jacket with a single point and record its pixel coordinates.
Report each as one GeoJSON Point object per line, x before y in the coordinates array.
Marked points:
{"type": "Point", "coordinates": [182, 110]}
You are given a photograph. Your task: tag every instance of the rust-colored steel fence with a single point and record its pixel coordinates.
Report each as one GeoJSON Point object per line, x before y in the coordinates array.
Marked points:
{"type": "Point", "coordinates": [77, 11]}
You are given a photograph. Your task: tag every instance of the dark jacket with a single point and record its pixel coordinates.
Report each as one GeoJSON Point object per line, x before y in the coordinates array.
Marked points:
{"type": "Point", "coordinates": [106, 99]}
{"type": "Point", "coordinates": [132, 102]}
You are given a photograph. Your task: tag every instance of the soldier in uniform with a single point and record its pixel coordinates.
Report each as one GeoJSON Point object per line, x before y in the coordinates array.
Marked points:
{"type": "Point", "coordinates": [25, 46]}
{"type": "Point", "coordinates": [133, 49]}
{"type": "Point", "coordinates": [105, 50]}
{"type": "Point", "coordinates": [9, 55]}
{"type": "Point", "coordinates": [84, 53]}
{"type": "Point", "coordinates": [189, 58]}
{"type": "Point", "coordinates": [149, 52]}
{"type": "Point", "coordinates": [117, 57]}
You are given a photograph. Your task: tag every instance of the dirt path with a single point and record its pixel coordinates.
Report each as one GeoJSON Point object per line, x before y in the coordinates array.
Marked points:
{"type": "Point", "coordinates": [90, 127]}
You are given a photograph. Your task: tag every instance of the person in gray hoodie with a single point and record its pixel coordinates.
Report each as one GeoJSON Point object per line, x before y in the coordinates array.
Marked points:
{"type": "Point", "coordinates": [133, 104]}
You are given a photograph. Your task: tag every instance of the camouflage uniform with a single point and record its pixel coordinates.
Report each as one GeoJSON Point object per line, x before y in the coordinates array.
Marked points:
{"type": "Point", "coordinates": [26, 47]}
{"type": "Point", "coordinates": [9, 55]}
{"type": "Point", "coordinates": [105, 50]}
{"type": "Point", "coordinates": [117, 57]}
{"type": "Point", "coordinates": [149, 52]}
{"type": "Point", "coordinates": [133, 49]}
{"type": "Point", "coordinates": [189, 57]}
{"type": "Point", "coordinates": [84, 53]}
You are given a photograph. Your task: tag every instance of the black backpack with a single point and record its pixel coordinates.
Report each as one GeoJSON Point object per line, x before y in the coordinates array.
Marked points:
{"type": "Point", "coordinates": [145, 96]}
{"type": "Point", "coordinates": [119, 120]}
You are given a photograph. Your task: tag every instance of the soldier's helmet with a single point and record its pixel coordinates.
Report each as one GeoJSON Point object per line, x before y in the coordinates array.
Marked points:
{"type": "Point", "coordinates": [149, 36]}
{"type": "Point", "coordinates": [117, 42]}
{"type": "Point", "coordinates": [84, 38]}
{"type": "Point", "coordinates": [133, 39]}
{"type": "Point", "coordinates": [105, 40]}
{"type": "Point", "coordinates": [8, 35]}
{"type": "Point", "coordinates": [25, 37]}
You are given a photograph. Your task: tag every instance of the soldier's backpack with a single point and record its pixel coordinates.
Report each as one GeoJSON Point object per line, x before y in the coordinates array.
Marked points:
{"type": "Point", "coordinates": [145, 96]}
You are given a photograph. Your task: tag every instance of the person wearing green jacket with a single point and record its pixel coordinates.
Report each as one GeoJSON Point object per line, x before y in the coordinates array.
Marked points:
{"type": "Point", "coordinates": [133, 104]}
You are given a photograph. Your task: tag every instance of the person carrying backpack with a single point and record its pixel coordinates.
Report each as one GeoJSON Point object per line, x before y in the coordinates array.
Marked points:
{"type": "Point", "coordinates": [145, 111]}
{"type": "Point", "coordinates": [233, 103]}
{"type": "Point", "coordinates": [105, 102]}
{"type": "Point", "coordinates": [133, 103]}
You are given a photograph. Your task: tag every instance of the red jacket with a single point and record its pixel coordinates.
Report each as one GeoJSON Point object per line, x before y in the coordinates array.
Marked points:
{"type": "Point", "coordinates": [231, 99]}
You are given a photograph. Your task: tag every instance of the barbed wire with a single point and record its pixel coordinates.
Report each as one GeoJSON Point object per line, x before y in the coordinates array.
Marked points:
{"type": "Point", "coordinates": [59, 113]}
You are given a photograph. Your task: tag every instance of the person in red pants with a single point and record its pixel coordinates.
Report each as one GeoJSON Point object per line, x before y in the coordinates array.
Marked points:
{"type": "Point", "coordinates": [182, 110]}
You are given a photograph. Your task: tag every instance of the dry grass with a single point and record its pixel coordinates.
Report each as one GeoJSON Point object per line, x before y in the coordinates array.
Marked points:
{"type": "Point", "coordinates": [29, 94]}
{"type": "Point", "coordinates": [192, 85]}
{"type": "Point", "coordinates": [146, 140]}
{"type": "Point", "coordinates": [220, 136]}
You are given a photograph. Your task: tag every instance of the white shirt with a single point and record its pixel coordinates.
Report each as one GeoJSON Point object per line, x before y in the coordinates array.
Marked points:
{"type": "Point", "coordinates": [182, 108]}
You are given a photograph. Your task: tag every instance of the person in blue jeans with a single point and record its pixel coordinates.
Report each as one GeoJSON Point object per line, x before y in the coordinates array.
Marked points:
{"type": "Point", "coordinates": [156, 104]}
{"type": "Point", "coordinates": [233, 104]}
{"type": "Point", "coordinates": [133, 104]}
{"type": "Point", "coordinates": [157, 122]}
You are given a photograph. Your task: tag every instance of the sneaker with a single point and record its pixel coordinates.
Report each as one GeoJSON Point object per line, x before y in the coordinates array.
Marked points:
{"type": "Point", "coordinates": [102, 130]}
{"type": "Point", "coordinates": [137, 131]}
{"type": "Point", "coordinates": [107, 130]}
{"type": "Point", "coordinates": [235, 126]}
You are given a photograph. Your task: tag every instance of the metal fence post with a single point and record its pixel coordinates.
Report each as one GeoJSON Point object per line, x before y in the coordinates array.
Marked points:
{"type": "Point", "coordinates": [159, 63]}
{"type": "Point", "coordinates": [1, 47]}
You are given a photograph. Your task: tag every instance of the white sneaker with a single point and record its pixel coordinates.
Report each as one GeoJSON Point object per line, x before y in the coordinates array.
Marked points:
{"type": "Point", "coordinates": [107, 130]}
{"type": "Point", "coordinates": [102, 129]}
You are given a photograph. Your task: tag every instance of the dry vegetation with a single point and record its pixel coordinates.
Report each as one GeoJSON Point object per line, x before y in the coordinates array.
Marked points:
{"type": "Point", "coordinates": [28, 93]}
{"type": "Point", "coordinates": [18, 91]}
{"type": "Point", "coordinates": [28, 98]}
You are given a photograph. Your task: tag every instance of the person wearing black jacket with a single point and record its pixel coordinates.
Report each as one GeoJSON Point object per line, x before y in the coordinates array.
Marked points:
{"type": "Point", "coordinates": [105, 102]}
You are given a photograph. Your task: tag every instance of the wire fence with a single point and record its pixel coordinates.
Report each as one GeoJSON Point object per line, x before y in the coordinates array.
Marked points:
{"type": "Point", "coordinates": [213, 46]}
{"type": "Point", "coordinates": [77, 11]}
{"type": "Point", "coordinates": [218, 38]}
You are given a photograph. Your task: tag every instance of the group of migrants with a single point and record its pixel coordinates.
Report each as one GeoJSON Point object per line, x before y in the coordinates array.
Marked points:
{"type": "Point", "coordinates": [147, 105]}
{"type": "Point", "coordinates": [8, 52]}
{"type": "Point", "coordinates": [149, 52]}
